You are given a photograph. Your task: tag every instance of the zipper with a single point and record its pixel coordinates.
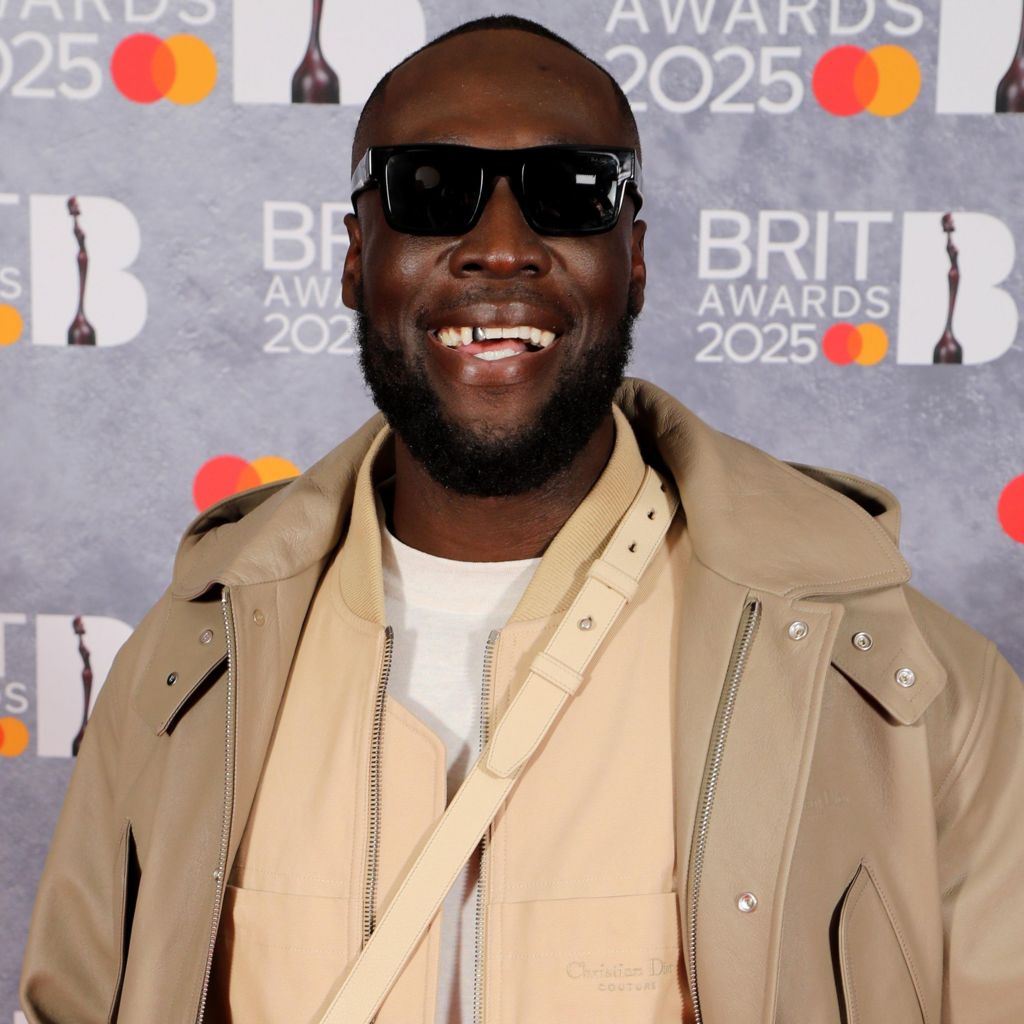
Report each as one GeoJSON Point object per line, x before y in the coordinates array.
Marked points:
{"type": "Point", "coordinates": [485, 728]}
{"type": "Point", "coordinates": [723, 718]}
{"type": "Point", "coordinates": [376, 742]}
{"type": "Point", "coordinates": [229, 799]}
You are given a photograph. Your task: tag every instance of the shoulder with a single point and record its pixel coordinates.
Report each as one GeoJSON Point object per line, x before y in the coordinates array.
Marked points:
{"type": "Point", "coordinates": [982, 703]}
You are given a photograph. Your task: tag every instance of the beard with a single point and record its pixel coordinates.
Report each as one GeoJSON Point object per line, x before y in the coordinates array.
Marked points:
{"type": "Point", "coordinates": [482, 461]}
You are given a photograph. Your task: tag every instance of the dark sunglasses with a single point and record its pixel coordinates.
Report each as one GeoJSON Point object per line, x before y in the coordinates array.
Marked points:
{"type": "Point", "coordinates": [442, 189]}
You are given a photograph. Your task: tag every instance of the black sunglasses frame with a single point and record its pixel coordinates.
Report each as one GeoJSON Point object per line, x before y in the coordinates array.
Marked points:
{"type": "Point", "coordinates": [495, 163]}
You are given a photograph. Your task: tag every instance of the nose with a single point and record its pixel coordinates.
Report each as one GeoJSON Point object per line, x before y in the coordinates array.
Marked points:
{"type": "Point", "coordinates": [501, 244]}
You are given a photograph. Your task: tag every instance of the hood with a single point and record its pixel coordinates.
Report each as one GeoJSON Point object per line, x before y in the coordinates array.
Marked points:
{"type": "Point", "coordinates": [795, 531]}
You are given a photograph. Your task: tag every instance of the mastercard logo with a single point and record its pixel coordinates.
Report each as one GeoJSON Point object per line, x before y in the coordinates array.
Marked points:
{"type": "Point", "coordinates": [146, 68]}
{"type": "Point", "coordinates": [885, 81]}
{"type": "Point", "coordinates": [13, 737]}
{"type": "Point", "coordinates": [1011, 509]}
{"type": "Point", "coordinates": [864, 344]}
{"type": "Point", "coordinates": [11, 324]}
{"type": "Point", "coordinates": [225, 475]}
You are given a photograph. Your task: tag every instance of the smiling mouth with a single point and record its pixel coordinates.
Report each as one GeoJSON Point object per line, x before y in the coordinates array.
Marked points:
{"type": "Point", "coordinates": [494, 343]}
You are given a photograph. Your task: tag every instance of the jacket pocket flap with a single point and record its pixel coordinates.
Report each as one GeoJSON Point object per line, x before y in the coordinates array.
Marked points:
{"type": "Point", "coordinates": [877, 973]}
{"type": "Point", "coordinates": [894, 664]}
{"type": "Point", "coordinates": [192, 647]}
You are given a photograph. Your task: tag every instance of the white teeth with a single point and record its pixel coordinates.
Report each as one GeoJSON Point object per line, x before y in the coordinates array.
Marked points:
{"type": "Point", "coordinates": [453, 337]}
{"type": "Point", "coordinates": [502, 353]}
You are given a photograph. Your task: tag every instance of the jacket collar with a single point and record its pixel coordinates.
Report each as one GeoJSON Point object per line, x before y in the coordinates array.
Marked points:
{"type": "Point", "coordinates": [752, 519]}
{"type": "Point", "coordinates": [771, 526]}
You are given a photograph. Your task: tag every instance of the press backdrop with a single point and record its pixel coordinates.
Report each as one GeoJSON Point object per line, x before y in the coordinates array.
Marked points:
{"type": "Point", "coordinates": [799, 159]}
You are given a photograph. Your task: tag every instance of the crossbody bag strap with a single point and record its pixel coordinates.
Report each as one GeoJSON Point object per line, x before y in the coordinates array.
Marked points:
{"type": "Point", "coordinates": [553, 678]}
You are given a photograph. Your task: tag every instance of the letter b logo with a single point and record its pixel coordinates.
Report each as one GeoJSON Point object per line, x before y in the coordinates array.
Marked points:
{"type": "Point", "coordinates": [114, 300]}
{"type": "Point", "coordinates": [985, 317]}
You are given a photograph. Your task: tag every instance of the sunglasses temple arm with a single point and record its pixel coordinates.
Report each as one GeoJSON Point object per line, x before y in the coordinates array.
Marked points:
{"type": "Point", "coordinates": [362, 175]}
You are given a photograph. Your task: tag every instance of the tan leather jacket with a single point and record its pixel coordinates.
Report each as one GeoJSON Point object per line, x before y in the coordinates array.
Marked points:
{"type": "Point", "coordinates": [849, 758]}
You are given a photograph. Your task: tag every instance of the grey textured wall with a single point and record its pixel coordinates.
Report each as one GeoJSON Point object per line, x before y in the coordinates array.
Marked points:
{"type": "Point", "coordinates": [211, 230]}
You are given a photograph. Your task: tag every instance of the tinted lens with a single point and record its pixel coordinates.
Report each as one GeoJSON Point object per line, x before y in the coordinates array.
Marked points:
{"type": "Point", "coordinates": [571, 191]}
{"type": "Point", "coordinates": [431, 192]}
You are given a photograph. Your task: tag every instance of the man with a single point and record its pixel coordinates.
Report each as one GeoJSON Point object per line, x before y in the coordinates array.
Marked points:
{"type": "Point", "coordinates": [784, 786]}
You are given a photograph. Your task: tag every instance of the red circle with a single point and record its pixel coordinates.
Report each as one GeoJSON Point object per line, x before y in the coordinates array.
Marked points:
{"type": "Point", "coordinates": [131, 67]}
{"type": "Point", "coordinates": [219, 478]}
{"type": "Point", "coordinates": [1011, 509]}
{"type": "Point", "coordinates": [1, 735]}
{"type": "Point", "coordinates": [841, 344]}
{"type": "Point", "coordinates": [842, 80]}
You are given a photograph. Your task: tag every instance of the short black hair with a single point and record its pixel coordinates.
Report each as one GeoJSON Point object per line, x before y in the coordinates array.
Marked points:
{"type": "Point", "coordinates": [493, 21]}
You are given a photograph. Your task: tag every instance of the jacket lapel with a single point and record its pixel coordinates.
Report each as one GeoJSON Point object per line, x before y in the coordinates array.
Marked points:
{"type": "Point", "coordinates": [191, 649]}
{"type": "Point", "coordinates": [268, 619]}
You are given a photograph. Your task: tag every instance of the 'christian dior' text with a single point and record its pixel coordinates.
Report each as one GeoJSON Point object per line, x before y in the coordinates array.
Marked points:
{"type": "Point", "coordinates": [614, 977]}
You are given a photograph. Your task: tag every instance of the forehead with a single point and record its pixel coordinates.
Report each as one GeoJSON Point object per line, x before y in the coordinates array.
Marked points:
{"type": "Point", "coordinates": [499, 89]}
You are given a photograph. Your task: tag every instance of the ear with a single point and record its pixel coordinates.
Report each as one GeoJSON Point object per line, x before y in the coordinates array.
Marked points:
{"type": "Point", "coordinates": [352, 272]}
{"type": "Point", "coordinates": [638, 267]}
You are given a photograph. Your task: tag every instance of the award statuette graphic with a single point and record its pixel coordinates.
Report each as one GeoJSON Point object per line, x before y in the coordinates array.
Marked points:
{"type": "Point", "coordinates": [948, 349]}
{"type": "Point", "coordinates": [1010, 93]}
{"type": "Point", "coordinates": [81, 331]}
{"type": "Point", "coordinates": [315, 81]}
{"type": "Point", "coordinates": [79, 628]}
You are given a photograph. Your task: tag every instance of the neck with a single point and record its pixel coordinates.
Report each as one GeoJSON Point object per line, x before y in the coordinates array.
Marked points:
{"type": "Point", "coordinates": [433, 519]}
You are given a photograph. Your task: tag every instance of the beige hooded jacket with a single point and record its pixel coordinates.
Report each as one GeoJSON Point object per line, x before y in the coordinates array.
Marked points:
{"type": "Point", "coordinates": [848, 758]}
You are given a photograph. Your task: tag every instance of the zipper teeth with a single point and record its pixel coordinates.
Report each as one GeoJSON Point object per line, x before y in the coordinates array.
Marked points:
{"type": "Point", "coordinates": [229, 796]}
{"type": "Point", "coordinates": [744, 638]}
{"type": "Point", "coordinates": [373, 846]}
{"type": "Point", "coordinates": [485, 727]}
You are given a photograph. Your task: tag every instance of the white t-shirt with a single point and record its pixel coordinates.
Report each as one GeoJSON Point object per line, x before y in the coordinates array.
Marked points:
{"type": "Point", "coordinates": [442, 613]}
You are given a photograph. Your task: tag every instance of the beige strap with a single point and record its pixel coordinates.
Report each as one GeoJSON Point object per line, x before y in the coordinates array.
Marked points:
{"type": "Point", "coordinates": [555, 675]}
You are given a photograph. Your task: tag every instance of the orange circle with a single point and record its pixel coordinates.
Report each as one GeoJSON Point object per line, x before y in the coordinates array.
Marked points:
{"type": "Point", "coordinates": [874, 344]}
{"type": "Point", "coordinates": [271, 468]}
{"type": "Point", "coordinates": [13, 737]}
{"type": "Point", "coordinates": [899, 81]}
{"type": "Point", "coordinates": [11, 324]}
{"type": "Point", "coordinates": [195, 69]}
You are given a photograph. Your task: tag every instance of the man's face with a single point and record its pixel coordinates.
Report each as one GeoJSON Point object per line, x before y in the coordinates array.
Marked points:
{"type": "Point", "coordinates": [486, 426]}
